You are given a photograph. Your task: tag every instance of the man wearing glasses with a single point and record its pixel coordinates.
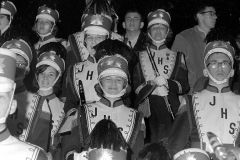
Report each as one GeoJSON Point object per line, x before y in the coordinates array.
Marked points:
{"type": "Point", "coordinates": [191, 42]}
{"type": "Point", "coordinates": [214, 109]}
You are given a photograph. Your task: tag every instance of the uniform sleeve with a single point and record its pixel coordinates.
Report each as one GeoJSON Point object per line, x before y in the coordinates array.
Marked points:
{"type": "Point", "coordinates": [71, 144]}
{"type": "Point", "coordinates": [178, 82]}
{"type": "Point", "coordinates": [73, 53]}
{"type": "Point", "coordinates": [181, 130]}
{"type": "Point", "coordinates": [72, 99]}
{"type": "Point", "coordinates": [138, 144]}
{"type": "Point", "coordinates": [139, 82]}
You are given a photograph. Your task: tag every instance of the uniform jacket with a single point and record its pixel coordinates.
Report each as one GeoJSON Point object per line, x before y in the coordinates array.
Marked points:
{"type": "Point", "coordinates": [37, 119]}
{"type": "Point", "coordinates": [77, 52]}
{"type": "Point", "coordinates": [139, 46]}
{"type": "Point", "coordinates": [171, 65]}
{"type": "Point", "coordinates": [11, 149]}
{"type": "Point", "coordinates": [210, 110]}
{"type": "Point", "coordinates": [84, 75]}
{"type": "Point", "coordinates": [129, 122]}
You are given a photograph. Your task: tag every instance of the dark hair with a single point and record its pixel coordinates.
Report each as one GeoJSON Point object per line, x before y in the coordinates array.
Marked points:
{"type": "Point", "coordinates": [57, 85]}
{"type": "Point", "coordinates": [57, 47]}
{"type": "Point", "coordinates": [134, 10]}
{"type": "Point", "coordinates": [154, 151]}
{"type": "Point", "coordinates": [219, 34]}
{"type": "Point", "coordinates": [106, 134]}
{"type": "Point", "coordinates": [200, 7]}
{"type": "Point", "coordinates": [112, 47]}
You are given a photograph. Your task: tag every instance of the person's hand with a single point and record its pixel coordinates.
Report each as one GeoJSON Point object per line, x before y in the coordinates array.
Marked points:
{"type": "Point", "coordinates": [160, 81]}
{"type": "Point", "coordinates": [160, 91]}
{"type": "Point", "coordinates": [80, 156]}
{"type": "Point", "coordinates": [49, 156]}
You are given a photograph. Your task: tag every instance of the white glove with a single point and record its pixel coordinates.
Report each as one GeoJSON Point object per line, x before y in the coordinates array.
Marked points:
{"type": "Point", "coordinates": [80, 156]}
{"type": "Point", "coordinates": [160, 81]}
{"type": "Point", "coordinates": [162, 91]}
{"type": "Point", "coordinates": [116, 36]}
{"type": "Point", "coordinates": [49, 156]}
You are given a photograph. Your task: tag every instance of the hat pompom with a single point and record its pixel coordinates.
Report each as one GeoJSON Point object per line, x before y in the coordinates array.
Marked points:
{"type": "Point", "coordinates": [106, 140]}
{"type": "Point", "coordinates": [56, 47]}
{"type": "Point", "coordinates": [111, 47]}
{"type": "Point", "coordinates": [101, 7]}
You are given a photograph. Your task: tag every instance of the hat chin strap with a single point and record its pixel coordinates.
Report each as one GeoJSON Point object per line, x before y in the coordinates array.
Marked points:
{"type": "Point", "coordinates": [216, 81]}
{"type": "Point", "coordinates": [50, 88]}
{"type": "Point", "coordinates": [45, 35]}
{"type": "Point", "coordinates": [161, 41]}
{"type": "Point", "coordinates": [120, 94]}
{"type": "Point", "coordinates": [4, 118]}
{"type": "Point", "coordinates": [4, 29]}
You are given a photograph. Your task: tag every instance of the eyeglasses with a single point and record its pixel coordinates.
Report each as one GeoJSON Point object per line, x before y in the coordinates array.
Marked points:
{"type": "Point", "coordinates": [215, 64]}
{"type": "Point", "coordinates": [211, 13]}
{"type": "Point", "coordinates": [20, 65]}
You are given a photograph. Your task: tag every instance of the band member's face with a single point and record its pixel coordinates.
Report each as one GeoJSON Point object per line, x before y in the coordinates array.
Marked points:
{"type": "Point", "coordinates": [91, 40]}
{"type": "Point", "coordinates": [21, 64]}
{"type": "Point", "coordinates": [112, 84]}
{"type": "Point", "coordinates": [44, 26]}
{"type": "Point", "coordinates": [219, 66]}
{"type": "Point", "coordinates": [4, 102]}
{"type": "Point", "coordinates": [3, 21]}
{"type": "Point", "coordinates": [158, 32]}
{"type": "Point", "coordinates": [47, 78]}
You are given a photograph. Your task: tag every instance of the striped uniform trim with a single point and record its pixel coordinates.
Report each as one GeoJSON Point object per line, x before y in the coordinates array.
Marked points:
{"type": "Point", "coordinates": [179, 86]}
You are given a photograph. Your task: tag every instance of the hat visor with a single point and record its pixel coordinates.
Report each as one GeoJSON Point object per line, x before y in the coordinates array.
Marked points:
{"type": "Point", "coordinates": [50, 63]}
{"type": "Point", "coordinates": [157, 21]}
{"type": "Point", "coordinates": [4, 11]}
{"type": "Point", "coordinates": [218, 50]}
{"type": "Point", "coordinates": [96, 30]}
{"type": "Point", "coordinates": [45, 16]}
{"type": "Point", "coordinates": [113, 72]}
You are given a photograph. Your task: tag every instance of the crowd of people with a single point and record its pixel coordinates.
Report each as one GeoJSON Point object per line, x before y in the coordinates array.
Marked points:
{"type": "Point", "coordinates": [104, 96]}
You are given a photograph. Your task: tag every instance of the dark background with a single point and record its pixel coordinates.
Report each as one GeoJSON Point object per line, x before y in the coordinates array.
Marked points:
{"type": "Point", "coordinates": [181, 12]}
